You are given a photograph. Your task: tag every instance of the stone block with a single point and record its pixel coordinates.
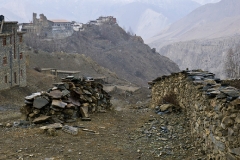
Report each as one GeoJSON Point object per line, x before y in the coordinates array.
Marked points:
{"type": "Point", "coordinates": [70, 130]}
{"type": "Point", "coordinates": [40, 102]}
{"type": "Point", "coordinates": [58, 103]}
{"type": "Point", "coordinates": [41, 119]}
{"type": "Point", "coordinates": [84, 111]}
{"type": "Point", "coordinates": [56, 94]}
{"type": "Point", "coordinates": [227, 122]}
{"type": "Point", "coordinates": [166, 107]}
{"type": "Point", "coordinates": [235, 151]}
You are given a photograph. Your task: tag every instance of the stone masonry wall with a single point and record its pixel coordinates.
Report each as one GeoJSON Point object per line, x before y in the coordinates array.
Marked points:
{"type": "Point", "coordinates": [13, 69]}
{"type": "Point", "coordinates": [213, 110]}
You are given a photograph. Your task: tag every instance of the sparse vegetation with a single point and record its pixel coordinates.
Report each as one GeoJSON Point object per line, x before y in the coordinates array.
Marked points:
{"type": "Point", "coordinates": [232, 63]}
{"type": "Point", "coordinates": [170, 98]}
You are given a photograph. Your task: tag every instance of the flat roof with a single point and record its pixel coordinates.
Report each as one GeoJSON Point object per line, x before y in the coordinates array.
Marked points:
{"type": "Point", "coordinates": [46, 69]}
{"type": "Point", "coordinates": [5, 34]}
{"type": "Point", "coordinates": [4, 22]}
{"type": "Point", "coordinates": [99, 77]}
{"type": "Point", "coordinates": [62, 71]}
{"type": "Point", "coordinates": [60, 21]}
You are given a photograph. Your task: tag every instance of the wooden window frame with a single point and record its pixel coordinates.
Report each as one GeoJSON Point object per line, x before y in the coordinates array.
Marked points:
{"type": "Point", "coordinates": [5, 78]}
{"type": "Point", "coordinates": [4, 41]}
{"type": "Point", "coordinates": [21, 55]}
{"type": "Point", "coordinates": [15, 77]}
{"type": "Point", "coordinates": [10, 39]}
{"type": "Point", "coordinates": [4, 60]}
{"type": "Point", "coordinates": [20, 39]}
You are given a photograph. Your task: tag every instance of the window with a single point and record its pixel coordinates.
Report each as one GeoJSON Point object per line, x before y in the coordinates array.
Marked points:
{"type": "Point", "coordinates": [15, 77]}
{"type": "Point", "coordinates": [10, 38]}
{"type": "Point", "coordinates": [20, 56]}
{"type": "Point", "coordinates": [4, 41]}
{"type": "Point", "coordinates": [4, 60]}
{"type": "Point", "coordinates": [20, 39]}
{"type": "Point", "coordinates": [21, 72]}
{"type": "Point", "coordinates": [5, 79]}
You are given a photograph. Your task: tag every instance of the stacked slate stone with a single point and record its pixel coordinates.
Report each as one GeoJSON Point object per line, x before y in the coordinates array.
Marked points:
{"type": "Point", "coordinates": [213, 87]}
{"type": "Point", "coordinates": [212, 107]}
{"type": "Point", "coordinates": [66, 101]}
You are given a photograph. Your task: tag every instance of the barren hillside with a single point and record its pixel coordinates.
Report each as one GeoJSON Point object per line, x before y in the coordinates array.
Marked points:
{"type": "Point", "coordinates": [71, 62]}
{"type": "Point", "coordinates": [206, 22]}
{"type": "Point", "coordinates": [205, 54]}
{"type": "Point", "coordinates": [111, 47]}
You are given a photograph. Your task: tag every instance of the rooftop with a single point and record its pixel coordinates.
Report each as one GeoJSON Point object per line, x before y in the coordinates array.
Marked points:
{"type": "Point", "coordinates": [72, 72]}
{"type": "Point", "coordinates": [10, 22]}
{"type": "Point", "coordinates": [60, 20]}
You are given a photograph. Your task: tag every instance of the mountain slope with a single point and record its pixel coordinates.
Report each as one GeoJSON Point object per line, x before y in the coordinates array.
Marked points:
{"type": "Point", "coordinates": [205, 54]}
{"type": "Point", "coordinates": [208, 21]}
{"type": "Point", "coordinates": [111, 47]}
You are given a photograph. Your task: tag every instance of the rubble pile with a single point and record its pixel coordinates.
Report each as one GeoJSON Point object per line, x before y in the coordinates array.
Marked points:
{"type": "Point", "coordinates": [212, 107]}
{"type": "Point", "coordinates": [66, 101]}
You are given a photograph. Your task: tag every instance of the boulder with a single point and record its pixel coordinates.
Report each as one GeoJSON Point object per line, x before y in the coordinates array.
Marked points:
{"type": "Point", "coordinates": [226, 122]}
{"type": "Point", "coordinates": [52, 126]}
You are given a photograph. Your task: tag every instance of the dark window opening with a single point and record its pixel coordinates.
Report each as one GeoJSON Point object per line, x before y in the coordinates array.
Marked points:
{"type": "Point", "coordinates": [15, 77]}
{"type": "Point", "coordinates": [4, 41]}
{"type": "Point", "coordinates": [20, 39]}
{"type": "Point", "coordinates": [6, 79]}
{"type": "Point", "coordinates": [20, 56]}
{"type": "Point", "coordinates": [10, 40]}
{"type": "Point", "coordinates": [4, 60]}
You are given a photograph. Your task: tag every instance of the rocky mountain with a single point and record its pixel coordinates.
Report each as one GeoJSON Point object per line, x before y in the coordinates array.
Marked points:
{"type": "Point", "coordinates": [205, 54]}
{"type": "Point", "coordinates": [209, 21]}
{"type": "Point", "coordinates": [111, 47]}
{"type": "Point", "coordinates": [144, 17]}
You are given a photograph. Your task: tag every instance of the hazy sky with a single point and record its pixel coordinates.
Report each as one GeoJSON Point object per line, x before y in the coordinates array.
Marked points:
{"type": "Point", "coordinates": [206, 1]}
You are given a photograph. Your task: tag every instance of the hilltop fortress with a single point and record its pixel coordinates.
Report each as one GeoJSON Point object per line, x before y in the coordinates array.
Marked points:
{"type": "Point", "coordinates": [60, 28]}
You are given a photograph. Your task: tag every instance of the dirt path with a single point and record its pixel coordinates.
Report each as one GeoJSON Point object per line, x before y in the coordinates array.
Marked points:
{"type": "Point", "coordinates": [113, 140]}
{"type": "Point", "coordinates": [128, 134]}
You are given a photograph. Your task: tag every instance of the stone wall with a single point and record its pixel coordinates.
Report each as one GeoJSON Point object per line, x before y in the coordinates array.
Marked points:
{"type": "Point", "coordinates": [232, 82]}
{"type": "Point", "coordinates": [212, 108]}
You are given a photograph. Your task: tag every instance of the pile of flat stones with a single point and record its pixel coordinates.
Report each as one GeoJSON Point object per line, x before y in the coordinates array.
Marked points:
{"type": "Point", "coordinates": [66, 101]}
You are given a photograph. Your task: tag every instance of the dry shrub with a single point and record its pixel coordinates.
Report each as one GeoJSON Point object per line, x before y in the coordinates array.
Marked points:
{"type": "Point", "coordinates": [170, 98]}
{"type": "Point", "coordinates": [236, 85]}
{"type": "Point", "coordinates": [38, 69]}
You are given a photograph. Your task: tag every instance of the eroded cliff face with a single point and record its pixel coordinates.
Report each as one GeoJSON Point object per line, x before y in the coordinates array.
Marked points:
{"type": "Point", "coordinates": [211, 107]}
{"type": "Point", "coordinates": [206, 54]}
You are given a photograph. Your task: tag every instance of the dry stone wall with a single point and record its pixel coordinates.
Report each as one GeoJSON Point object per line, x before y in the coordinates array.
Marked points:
{"type": "Point", "coordinates": [66, 101]}
{"type": "Point", "coordinates": [213, 108]}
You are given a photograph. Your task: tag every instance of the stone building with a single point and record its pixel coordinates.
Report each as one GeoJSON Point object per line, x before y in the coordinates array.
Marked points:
{"type": "Point", "coordinates": [48, 28]}
{"type": "Point", "coordinates": [12, 64]}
